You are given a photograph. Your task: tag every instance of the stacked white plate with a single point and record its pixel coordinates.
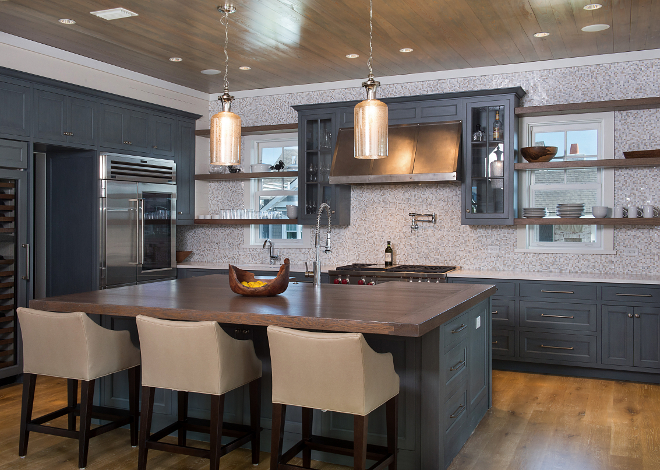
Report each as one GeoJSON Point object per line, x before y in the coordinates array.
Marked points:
{"type": "Point", "coordinates": [533, 212]}
{"type": "Point", "coordinates": [573, 211]}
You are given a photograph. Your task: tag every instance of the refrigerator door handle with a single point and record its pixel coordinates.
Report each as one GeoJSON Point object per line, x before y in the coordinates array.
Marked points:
{"type": "Point", "coordinates": [137, 229]}
{"type": "Point", "coordinates": [27, 261]}
{"type": "Point", "coordinates": [141, 239]}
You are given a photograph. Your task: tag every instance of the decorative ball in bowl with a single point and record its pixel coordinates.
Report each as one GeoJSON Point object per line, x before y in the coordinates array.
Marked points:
{"type": "Point", "coordinates": [240, 282]}
{"type": "Point", "coordinates": [538, 154]}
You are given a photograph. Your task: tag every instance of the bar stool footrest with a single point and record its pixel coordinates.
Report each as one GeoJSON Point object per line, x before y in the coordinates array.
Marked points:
{"type": "Point", "coordinates": [117, 418]}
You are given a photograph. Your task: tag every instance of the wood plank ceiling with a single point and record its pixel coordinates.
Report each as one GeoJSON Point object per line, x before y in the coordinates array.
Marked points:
{"type": "Point", "coordinates": [292, 42]}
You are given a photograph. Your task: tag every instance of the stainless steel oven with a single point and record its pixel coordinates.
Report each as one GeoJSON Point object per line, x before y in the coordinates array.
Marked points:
{"type": "Point", "coordinates": [138, 220]}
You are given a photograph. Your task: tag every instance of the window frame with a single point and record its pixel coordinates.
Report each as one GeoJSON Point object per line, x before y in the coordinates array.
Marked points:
{"type": "Point", "coordinates": [252, 190]}
{"type": "Point", "coordinates": [605, 126]}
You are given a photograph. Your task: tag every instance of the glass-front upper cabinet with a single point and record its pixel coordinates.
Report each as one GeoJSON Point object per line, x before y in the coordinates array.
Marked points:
{"type": "Point", "coordinates": [317, 134]}
{"type": "Point", "coordinates": [490, 143]}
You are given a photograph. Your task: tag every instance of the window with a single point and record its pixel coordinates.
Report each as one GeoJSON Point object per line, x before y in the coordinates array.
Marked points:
{"type": "Point", "coordinates": [272, 195]}
{"type": "Point", "coordinates": [577, 137]}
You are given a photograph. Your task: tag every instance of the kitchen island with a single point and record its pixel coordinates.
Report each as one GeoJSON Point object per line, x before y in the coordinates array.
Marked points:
{"type": "Point", "coordinates": [439, 335]}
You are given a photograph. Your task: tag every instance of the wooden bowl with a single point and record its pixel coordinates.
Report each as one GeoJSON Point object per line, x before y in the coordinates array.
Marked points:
{"type": "Point", "coordinates": [272, 287]}
{"type": "Point", "coordinates": [182, 255]}
{"type": "Point", "coordinates": [642, 154]}
{"type": "Point", "coordinates": [538, 154]}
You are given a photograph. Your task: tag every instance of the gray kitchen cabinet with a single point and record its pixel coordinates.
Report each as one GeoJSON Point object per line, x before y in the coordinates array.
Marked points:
{"type": "Point", "coordinates": [163, 133]}
{"type": "Point", "coordinates": [647, 337]}
{"type": "Point", "coordinates": [64, 118]}
{"type": "Point", "coordinates": [15, 111]}
{"type": "Point", "coordinates": [185, 173]}
{"type": "Point", "coordinates": [617, 335]}
{"type": "Point", "coordinates": [124, 129]}
{"type": "Point", "coordinates": [13, 154]}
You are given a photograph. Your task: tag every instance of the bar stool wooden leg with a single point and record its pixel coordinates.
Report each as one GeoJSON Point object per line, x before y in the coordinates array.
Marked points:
{"type": "Point", "coordinates": [217, 412]}
{"type": "Point", "coordinates": [145, 424]}
{"type": "Point", "coordinates": [133, 403]}
{"type": "Point", "coordinates": [183, 415]}
{"type": "Point", "coordinates": [392, 417]}
{"type": "Point", "coordinates": [255, 419]}
{"type": "Point", "coordinates": [86, 402]}
{"type": "Point", "coordinates": [306, 435]}
{"type": "Point", "coordinates": [360, 424]}
{"type": "Point", "coordinates": [277, 435]}
{"type": "Point", "coordinates": [72, 401]}
{"type": "Point", "coordinates": [29, 382]}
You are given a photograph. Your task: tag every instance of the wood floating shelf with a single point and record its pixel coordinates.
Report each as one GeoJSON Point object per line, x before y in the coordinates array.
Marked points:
{"type": "Point", "coordinates": [609, 163]}
{"type": "Point", "coordinates": [6, 261]}
{"type": "Point", "coordinates": [246, 221]}
{"type": "Point", "coordinates": [590, 107]}
{"type": "Point", "coordinates": [7, 208]}
{"type": "Point", "coordinates": [256, 130]}
{"type": "Point", "coordinates": [586, 221]}
{"type": "Point", "coordinates": [246, 176]}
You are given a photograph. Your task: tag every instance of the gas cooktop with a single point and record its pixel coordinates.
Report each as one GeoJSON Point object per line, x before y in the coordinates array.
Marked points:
{"type": "Point", "coordinates": [399, 268]}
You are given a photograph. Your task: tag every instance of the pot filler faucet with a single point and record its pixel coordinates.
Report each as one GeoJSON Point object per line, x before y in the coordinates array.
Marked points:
{"type": "Point", "coordinates": [273, 257]}
{"type": "Point", "coordinates": [316, 265]}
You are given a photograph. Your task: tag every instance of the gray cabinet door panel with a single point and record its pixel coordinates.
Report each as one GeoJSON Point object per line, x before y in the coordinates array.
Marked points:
{"type": "Point", "coordinates": [13, 154]}
{"type": "Point", "coordinates": [558, 315]}
{"type": "Point", "coordinates": [647, 337]}
{"type": "Point", "coordinates": [51, 114]}
{"type": "Point", "coordinates": [478, 356]}
{"type": "Point", "coordinates": [185, 174]}
{"type": "Point", "coordinates": [14, 109]}
{"type": "Point", "coordinates": [631, 293]}
{"type": "Point", "coordinates": [112, 127]}
{"type": "Point", "coordinates": [137, 131]}
{"type": "Point", "coordinates": [617, 335]}
{"type": "Point", "coordinates": [559, 290]}
{"type": "Point", "coordinates": [556, 347]}
{"type": "Point", "coordinates": [442, 111]}
{"type": "Point", "coordinates": [82, 124]}
{"type": "Point", "coordinates": [504, 343]}
{"type": "Point", "coordinates": [163, 132]}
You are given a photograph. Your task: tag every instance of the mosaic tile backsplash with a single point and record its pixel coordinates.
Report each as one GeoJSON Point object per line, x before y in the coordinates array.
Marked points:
{"type": "Point", "coordinates": [379, 213]}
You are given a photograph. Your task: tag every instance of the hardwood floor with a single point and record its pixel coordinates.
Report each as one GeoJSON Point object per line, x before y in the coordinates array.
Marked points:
{"type": "Point", "coordinates": [537, 422]}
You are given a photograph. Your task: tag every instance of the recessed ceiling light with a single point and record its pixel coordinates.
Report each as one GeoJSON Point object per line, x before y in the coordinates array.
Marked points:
{"type": "Point", "coordinates": [541, 35]}
{"type": "Point", "coordinates": [244, 67]}
{"type": "Point", "coordinates": [593, 6]}
{"type": "Point", "coordinates": [175, 59]}
{"type": "Point", "coordinates": [352, 56]}
{"type": "Point", "coordinates": [67, 21]}
{"type": "Point", "coordinates": [211, 72]}
{"type": "Point", "coordinates": [592, 28]}
{"type": "Point", "coordinates": [114, 13]}
{"type": "Point", "coordinates": [406, 49]}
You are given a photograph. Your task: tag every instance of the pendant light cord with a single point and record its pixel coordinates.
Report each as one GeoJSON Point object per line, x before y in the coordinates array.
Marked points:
{"type": "Point", "coordinates": [371, 31]}
{"type": "Point", "coordinates": [226, 23]}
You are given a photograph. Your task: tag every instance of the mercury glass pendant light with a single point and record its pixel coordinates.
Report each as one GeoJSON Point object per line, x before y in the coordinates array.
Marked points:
{"type": "Point", "coordinates": [370, 116]}
{"type": "Point", "coordinates": [225, 125]}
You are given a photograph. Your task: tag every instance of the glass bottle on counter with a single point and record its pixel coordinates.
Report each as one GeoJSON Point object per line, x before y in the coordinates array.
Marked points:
{"type": "Point", "coordinates": [389, 254]}
{"type": "Point", "coordinates": [478, 135]}
{"type": "Point", "coordinates": [497, 127]}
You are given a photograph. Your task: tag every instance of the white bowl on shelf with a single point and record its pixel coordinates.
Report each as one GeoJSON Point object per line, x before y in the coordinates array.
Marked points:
{"type": "Point", "coordinates": [259, 167]}
{"type": "Point", "coordinates": [599, 212]}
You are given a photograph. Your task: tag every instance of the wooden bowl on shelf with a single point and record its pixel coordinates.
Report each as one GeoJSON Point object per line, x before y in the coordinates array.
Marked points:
{"type": "Point", "coordinates": [271, 288]}
{"type": "Point", "coordinates": [538, 154]}
{"type": "Point", "coordinates": [182, 255]}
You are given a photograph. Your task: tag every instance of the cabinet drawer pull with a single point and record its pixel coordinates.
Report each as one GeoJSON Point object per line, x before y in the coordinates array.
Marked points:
{"type": "Point", "coordinates": [558, 347]}
{"type": "Point", "coordinates": [458, 411]}
{"type": "Point", "coordinates": [494, 342]}
{"type": "Point", "coordinates": [459, 329]}
{"type": "Point", "coordinates": [557, 291]}
{"type": "Point", "coordinates": [635, 295]}
{"type": "Point", "coordinates": [457, 366]}
{"type": "Point", "coordinates": [557, 316]}
{"type": "Point", "coordinates": [494, 312]}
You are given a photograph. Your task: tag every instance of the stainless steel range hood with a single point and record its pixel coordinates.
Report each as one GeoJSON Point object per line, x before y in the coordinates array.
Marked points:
{"type": "Point", "coordinates": [417, 153]}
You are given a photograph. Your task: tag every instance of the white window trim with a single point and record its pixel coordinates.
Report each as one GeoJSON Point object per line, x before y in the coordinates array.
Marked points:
{"type": "Point", "coordinates": [607, 141]}
{"type": "Point", "coordinates": [250, 156]}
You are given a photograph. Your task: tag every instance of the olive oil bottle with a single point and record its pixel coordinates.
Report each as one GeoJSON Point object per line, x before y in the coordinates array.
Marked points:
{"type": "Point", "coordinates": [389, 254]}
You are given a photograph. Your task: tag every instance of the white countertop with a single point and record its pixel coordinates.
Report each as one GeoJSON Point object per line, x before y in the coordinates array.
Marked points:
{"type": "Point", "coordinates": [613, 278]}
{"type": "Point", "coordinates": [247, 267]}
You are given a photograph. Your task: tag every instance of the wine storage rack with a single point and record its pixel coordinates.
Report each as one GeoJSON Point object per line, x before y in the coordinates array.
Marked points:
{"type": "Point", "coordinates": [8, 252]}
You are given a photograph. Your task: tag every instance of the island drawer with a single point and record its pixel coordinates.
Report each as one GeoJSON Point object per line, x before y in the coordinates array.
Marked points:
{"type": "Point", "coordinates": [631, 293]}
{"type": "Point", "coordinates": [455, 363]}
{"type": "Point", "coordinates": [559, 290]}
{"type": "Point", "coordinates": [558, 315]}
{"type": "Point", "coordinates": [504, 288]}
{"type": "Point", "coordinates": [456, 330]}
{"type": "Point", "coordinates": [456, 410]}
{"type": "Point", "coordinates": [503, 312]}
{"type": "Point", "coordinates": [558, 347]}
{"type": "Point", "coordinates": [504, 343]}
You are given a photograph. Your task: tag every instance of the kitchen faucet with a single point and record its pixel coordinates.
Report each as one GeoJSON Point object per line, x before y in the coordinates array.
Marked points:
{"type": "Point", "coordinates": [272, 256]}
{"type": "Point", "coordinates": [316, 265]}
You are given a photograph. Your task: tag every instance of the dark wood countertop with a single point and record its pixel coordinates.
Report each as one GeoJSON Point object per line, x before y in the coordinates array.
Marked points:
{"type": "Point", "coordinates": [393, 308]}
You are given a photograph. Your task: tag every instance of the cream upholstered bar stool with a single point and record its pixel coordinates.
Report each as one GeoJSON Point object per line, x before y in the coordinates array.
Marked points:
{"type": "Point", "coordinates": [336, 372]}
{"type": "Point", "coordinates": [72, 346]}
{"type": "Point", "coordinates": [197, 357]}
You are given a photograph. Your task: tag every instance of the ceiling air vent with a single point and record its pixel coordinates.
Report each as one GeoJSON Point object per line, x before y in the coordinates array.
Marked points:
{"type": "Point", "coordinates": [114, 13]}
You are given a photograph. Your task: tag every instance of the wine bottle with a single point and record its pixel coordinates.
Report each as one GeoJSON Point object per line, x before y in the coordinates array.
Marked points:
{"type": "Point", "coordinates": [497, 127]}
{"type": "Point", "coordinates": [389, 254]}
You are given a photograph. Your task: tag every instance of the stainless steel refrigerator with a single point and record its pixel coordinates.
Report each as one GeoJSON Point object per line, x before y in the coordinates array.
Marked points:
{"type": "Point", "coordinates": [138, 220]}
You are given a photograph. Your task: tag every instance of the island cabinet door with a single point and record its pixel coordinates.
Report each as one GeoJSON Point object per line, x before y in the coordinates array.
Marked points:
{"type": "Point", "coordinates": [617, 335]}
{"type": "Point", "coordinates": [478, 356]}
{"type": "Point", "coordinates": [647, 337]}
